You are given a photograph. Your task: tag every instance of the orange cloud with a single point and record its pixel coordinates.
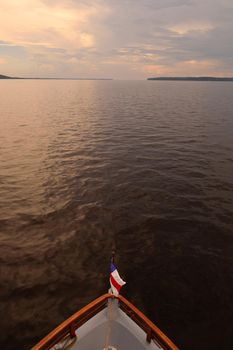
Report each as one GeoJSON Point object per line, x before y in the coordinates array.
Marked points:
{"type": "Point", "coordinates": [35, 23]}
{"type": "Point", "coordinates": [2, 61]}
{"type": "Point", "coordinates": [185, 68]}
{"type": "Point", "coordinates": [185, 28]}
{"type": "Point", "coordinates": [155, 69]}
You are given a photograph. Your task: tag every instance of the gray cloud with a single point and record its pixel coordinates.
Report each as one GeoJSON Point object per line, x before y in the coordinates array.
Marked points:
{"type": "Point", "coordinates": [7, 49]}
{"type": "Point", "coordinates": [154, 24]}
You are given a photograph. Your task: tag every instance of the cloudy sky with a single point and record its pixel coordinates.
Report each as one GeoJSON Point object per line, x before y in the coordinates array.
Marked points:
{"type": "Point", "coordinates": [121, 39]}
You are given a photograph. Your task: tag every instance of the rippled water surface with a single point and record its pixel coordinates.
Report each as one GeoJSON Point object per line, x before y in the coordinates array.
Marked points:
{"type": "Point", "coordinates": [146, 167]}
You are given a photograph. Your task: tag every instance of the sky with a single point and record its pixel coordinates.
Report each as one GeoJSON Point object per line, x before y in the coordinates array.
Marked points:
{"type": "Point", "coordinates": [119, 39]}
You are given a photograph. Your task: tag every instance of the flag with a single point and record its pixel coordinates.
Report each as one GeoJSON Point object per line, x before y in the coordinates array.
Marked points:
{"type": "Point", "coordinates": [115, 280]}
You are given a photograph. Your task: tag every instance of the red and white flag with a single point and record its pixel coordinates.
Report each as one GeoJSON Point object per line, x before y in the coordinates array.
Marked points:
{"type": "Point", "coordinates": [116, 281]}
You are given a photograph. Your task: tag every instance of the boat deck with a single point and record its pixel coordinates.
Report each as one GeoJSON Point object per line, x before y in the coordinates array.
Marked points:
{"type": "Point", "coordinates": [108, 323]}
{"type": "Point", "coordinates": [112, 328]}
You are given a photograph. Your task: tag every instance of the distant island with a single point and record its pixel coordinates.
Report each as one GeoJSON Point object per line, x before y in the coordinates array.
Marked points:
{"type": "Point", "coordinates": [7, 77]}
{"type": "Point", "coordinates": [191, 79]}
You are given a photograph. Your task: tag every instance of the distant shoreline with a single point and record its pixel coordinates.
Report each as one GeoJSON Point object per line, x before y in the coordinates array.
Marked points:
{"type": "Point", "coordinates": [18, 78]}
{"type": "Point", "coordinates": [191, 79]}
{"type": "Point", "coordinates": [2, 77]}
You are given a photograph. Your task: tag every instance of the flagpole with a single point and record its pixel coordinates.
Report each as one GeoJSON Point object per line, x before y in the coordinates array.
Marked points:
{"type": "Point", "coordinates": [113, 256]}
{"type": "Point", "coordinates": [109, 307]}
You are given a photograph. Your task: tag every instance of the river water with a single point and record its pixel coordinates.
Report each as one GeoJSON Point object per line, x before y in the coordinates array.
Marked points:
{"type": "Point", "coordinates": [142, 166]}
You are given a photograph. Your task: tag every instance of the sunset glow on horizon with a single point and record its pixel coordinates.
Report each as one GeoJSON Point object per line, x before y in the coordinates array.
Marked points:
{"type": "Point", "coordinates": [124, 39]}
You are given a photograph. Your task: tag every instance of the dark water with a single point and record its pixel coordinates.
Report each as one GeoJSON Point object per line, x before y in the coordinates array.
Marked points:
{"type": "Point", "coordinates": [145, 166]}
